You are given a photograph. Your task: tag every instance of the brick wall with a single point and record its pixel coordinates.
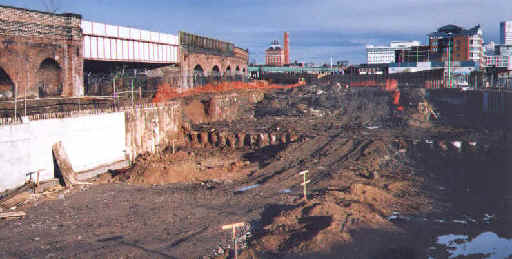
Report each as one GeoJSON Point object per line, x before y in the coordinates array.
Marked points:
{"type": "Point", "coordinates": [23, 22]}
{"type": "Point", "coordinates": [28, 38]}
{"type": "Point", "coordinates": [189, 60]}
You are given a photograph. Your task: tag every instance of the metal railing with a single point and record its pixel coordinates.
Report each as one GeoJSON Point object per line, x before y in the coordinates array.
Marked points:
{"type": "Point", "coordinates": [104, 93]}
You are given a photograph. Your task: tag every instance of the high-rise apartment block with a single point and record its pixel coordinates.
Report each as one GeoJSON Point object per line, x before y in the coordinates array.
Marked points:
{"type": "Point", "coordinates": [454, 43]}
{"type": "Point", "coordinates": [506, 33]}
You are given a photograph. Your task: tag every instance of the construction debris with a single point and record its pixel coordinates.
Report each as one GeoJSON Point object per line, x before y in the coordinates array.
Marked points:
{"type": "Point", "coordinates": [17, 200]}
{"type": "Point", "coordinates": [12, 215]}
{"type": "Point", "coordinates": [68, 174]}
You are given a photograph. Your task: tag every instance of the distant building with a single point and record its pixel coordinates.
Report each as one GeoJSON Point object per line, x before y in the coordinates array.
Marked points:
{"type": "Point", "coordinates": [454, 43]}
{"type": "Point", "coordinates": [501, 57]}
{"type": "Point", "coordinates": [503, 50]}
{"type": "Point", "coordinates": [276, 55]}
{"type": "Point", "coordinates": [413, 54]}
{"type": "Point", "coordinates": [497, 61]}
{"type": "Point", "coordinates": [506, 32]}
{"type": "Point", "coordinates": [386, 54]}
{"type": "Point", "coordinates": [490, 48]}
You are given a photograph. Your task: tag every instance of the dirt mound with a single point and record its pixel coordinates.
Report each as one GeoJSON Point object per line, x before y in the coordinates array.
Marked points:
{"type": "Point", "coordinates": [322, 223]}
{"type": "Point", "coordinates": [182, 167]}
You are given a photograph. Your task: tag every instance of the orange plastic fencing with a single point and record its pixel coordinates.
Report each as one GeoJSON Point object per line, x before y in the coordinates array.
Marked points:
{"type": "Point", "coordinates": [165, 92]}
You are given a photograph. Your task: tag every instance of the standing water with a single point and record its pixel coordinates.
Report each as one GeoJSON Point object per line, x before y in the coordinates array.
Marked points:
{"type": "Point", "coordinates": [476, 185]}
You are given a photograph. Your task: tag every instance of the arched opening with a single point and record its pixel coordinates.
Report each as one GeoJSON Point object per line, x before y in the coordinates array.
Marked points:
{"type": "Point", "coordinates": [237, 74]}
{"type": "Point", "coordinates": [198, 70]}
{"type": "Point", "coordinates": [6, 86]}
{"type": "Point", "coordinates": [227, 74]}
{"type": "Point", "coordinates": [198, 75]}
{"type": "Point", "coordinates": [49, 76]}
{"type": "Point", "coordinates": [215, 73]}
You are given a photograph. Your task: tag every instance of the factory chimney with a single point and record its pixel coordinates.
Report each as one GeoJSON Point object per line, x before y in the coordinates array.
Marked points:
{"type": "Point", "coordinates": [286, 49]}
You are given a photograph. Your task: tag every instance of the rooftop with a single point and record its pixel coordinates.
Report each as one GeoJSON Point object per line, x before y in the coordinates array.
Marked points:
{"type": "Point", "coordinates": [451, 30]}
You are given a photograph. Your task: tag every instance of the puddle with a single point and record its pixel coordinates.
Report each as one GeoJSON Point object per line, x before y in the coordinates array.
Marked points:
{"type": "Point", "coordinates": [458, 221]}
{"type": "Point", "coordinates": [488, 244]}
{"type": "Point", "coordinates": [488, 218]}
{"type": "Point", "coordinates": [246, 188]}
{"type": "Point", "coordinates": [396, 216]}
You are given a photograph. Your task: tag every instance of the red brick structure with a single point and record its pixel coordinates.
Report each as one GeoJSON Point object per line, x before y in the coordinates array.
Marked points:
{"type": "Point", "coordinates": [286, 48]}
{"type": "Point", "coordinates": [454, 43]}
{"type": "Point", "coordinates": [274, 55]}
{"type": "Point", "coordinates": [40, 54]}
{"type": "Point", "coordinates": [205, 58]}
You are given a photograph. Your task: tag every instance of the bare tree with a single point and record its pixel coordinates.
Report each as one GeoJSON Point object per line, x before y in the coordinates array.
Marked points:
{"type": "Point", "coordinates": [52, 6]}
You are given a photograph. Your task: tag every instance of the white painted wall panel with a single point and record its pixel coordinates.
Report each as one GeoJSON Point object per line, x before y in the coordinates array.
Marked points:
{"type": "Point", "coordinates": [124, 32]}
{"type": "Point", "coordinates": [111, 42]}
{"type": "Point", "coordinates": [90, 141]}
{"type": "Point", "coordinates": [94, 47]}
{"type": "Point", "coordinates": [101, 48]}
{"type": "Point", "coordinates": [151, 52]}
{"type": "Point", "coordinates": [111, 30]}
{"type": "Point", "coordinates": [86, 27]}
{"type": "Point", "coordinates": [98, 29]}
{"type": "Point", "coordinates": [155, 36]}
{"type": "Point", "coordinates": [145, 50]}
{"type": "Point", "coordinates": [130, 49]}
{"type": "Point", "coordinates": [119, 49]}
{"type": "Point", "coordinates": [134, 34]}
{"type": "Point", "coordinates": [161, 52]}
{"type": "Point", "coordinates": [136, 50]}
{"type": "Point", "coordinates": [87, 46]}
{"type": "Point", "coordinates": [108, 47]}
{"type": "Point", "coordinates": [125, 50]}
{"type": "Point", "coordinates": [145, 35]}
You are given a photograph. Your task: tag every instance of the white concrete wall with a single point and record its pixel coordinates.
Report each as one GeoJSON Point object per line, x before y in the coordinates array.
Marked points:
{"type": "Point", "coordinates": [90, 141]}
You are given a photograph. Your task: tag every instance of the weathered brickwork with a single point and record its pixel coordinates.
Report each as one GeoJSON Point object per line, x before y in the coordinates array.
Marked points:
{"type": "Point", "coordinates": [235, 64]}
{"type": "Point", "coordinates": [41, 53]}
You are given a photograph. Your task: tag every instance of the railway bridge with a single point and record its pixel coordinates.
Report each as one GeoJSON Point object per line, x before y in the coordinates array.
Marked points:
{"type": "Point", "coordinates": [44, 54]}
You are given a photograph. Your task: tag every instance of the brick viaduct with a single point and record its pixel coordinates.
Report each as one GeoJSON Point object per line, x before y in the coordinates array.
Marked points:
{"type": "Point", "coordinates": [193, 62]}
{"type": "Point", "coordinates": [41, 55]}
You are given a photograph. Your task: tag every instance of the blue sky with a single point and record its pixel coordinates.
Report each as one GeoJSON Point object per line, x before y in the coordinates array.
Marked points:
{"type": "Point", "coordinates": [319, 29]}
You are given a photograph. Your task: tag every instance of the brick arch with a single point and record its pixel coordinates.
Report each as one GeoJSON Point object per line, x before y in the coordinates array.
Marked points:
{"type": "Point", "coordinates": [6, 85]}
{"type": "Point", "coordinates": [215, 70]}
{"type": "Point", "coordinates": [228, 71]}
{"type": "Point", "coordinates": [198, 70]}
{"type": "Point", "coordinates": [49, 78]}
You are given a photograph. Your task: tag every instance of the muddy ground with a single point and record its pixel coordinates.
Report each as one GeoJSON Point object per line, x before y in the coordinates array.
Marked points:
{"type": "Point", "coordinates": [378, 187]}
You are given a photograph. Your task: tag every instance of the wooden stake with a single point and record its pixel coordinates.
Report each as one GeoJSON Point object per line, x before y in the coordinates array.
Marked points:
{"type": "Point", "coordinates": [233, 227]}
{"type": "Point", "coordinates": [12, 215]}
{"type": "Point", "coordinates": [306, 181]}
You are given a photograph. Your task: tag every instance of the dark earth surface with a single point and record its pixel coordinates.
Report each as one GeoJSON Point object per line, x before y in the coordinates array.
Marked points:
{"type": "Point", "coordinates": [360, 176]}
